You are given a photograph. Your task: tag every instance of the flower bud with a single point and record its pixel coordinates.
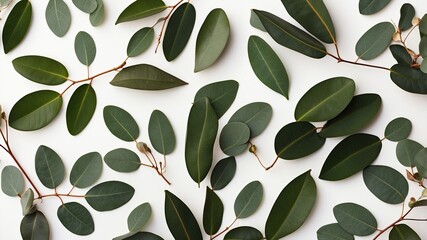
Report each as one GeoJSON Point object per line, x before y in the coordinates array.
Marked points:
{"type": "Point", "coordinates": [415, 21]}
{"type": "Point", "coordinates": [143, 148]}
{"type": "Point", "coordinates": [396, 37]}
{"type": "Point", "coordinates": [425, 192]}
{"type": "Point", "coordinates": [252, 149]}
{"type": "Point", "coordinates": [412, 202]}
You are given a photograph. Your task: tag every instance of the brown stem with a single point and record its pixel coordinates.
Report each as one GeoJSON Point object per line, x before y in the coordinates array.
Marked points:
{"type": "Point", "coordinates": [59, 195]}
{"type": "Point", "coordinates": [340, 60]}
{"type": "Point", "coordinates": [402, 218]}
{"type": "Point", "coordinates": [272, 165]}
{"type": "Point", "coordinates": [159, 39]}
{"type": "Point", "coordinates": [223, 231]}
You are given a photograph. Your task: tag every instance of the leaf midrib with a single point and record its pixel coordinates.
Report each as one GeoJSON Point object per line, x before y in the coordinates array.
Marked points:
{"type": "Point", "coordinates": [386, 184]}
{"type": "Point", "coordinates": [179, 217]}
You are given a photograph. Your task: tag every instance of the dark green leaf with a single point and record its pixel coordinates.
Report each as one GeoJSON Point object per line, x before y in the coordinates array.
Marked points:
{"type": "Point", "coordinates": [85, 48]}
{"type": "Point", "coordinates": [243, 233]}
{"type": "Point", "coordinates": [398, 129]}
{"type": "Point", "coordinates": [86, 170]}
{"type": "Point", "coordinates": [35, 227]}
{"type": "Point", "coordinates": [81, 108]}
{"type": "Point", "coordinates": [267, 66]}
{"type": "Point", "coordinates": [409, 79]}
{"type": "Point", "coordinates": [369, 7]}
{"type": "Point", "coordinates": [140, 41]}
{"type": "Point", "coordinates": [403, 232]}
{"type": "Point", "coordinates": [292, 207]}
{"type": "Point", "coordinates": [213, 212]}
{"type": "Point", "coordinates": [248, 200]}
{"type": "Point", "coordinates": [223, 173]}
{"type": "Point", "coordinates": [255, 22]}
{"type": "Point", "coordinates": [420, 162]}
{"type": "Point", "coordinates": [97, 17]}
{"type": "Point", "coordinates": [12, 181]}
{"type": "Point", "coordinates": [178, 30]}
{"type": "Point", "coordinates": [212, 39]}
{"type": "Point", "coordinates": [41, 69]}
{"type": "Point", "coordinates": [350, 156]}
{"type": "Point", "coordinates": [87, 6]}
{"type": "Point", "coordinates": [325, 100]}
{"type": "Point", "coordinates": [256, 115]}
{"type": "Point", "coordinates": [122, 160]}
{"type": "Point", "coordinates": [407, 13]}
{"type": "Point", "coordinates": [76, 218]}
{"type": "Point", "coordinates": [355, 219]}
{"type": "Point", "coordinates": [139, 217]}
{"type": "Point", "coordinates": [234, 138]}
{"type": "Point", "coordinates": [161, 133]}
{"type": "Point", "coordinates": [420, 203]}
{"type": "Point", "coordinates": [120, 123]}
{"type": "Point", "coordinates": [333, 231]}
{"type": "Point", "coordinates": [141, 9]}
{"type": "Point", "coordinates": [423, 48]}
{"type": "Point", "coordinates": [58, 17]}
{"type": "Point", "coordinates": [27, 200]}
{"type": "Point", "coordinates": [401, 55]}
{"type": "Point", "coordinates": [375, 41]}
{"type": "Point", "coordinates": [406, 151]}
{"type": "Point", "coordinates": [110, 195]}
{"type": "Point", "coordinates": [423, 26]}
{"type": "Point", "coordinates": [139, 236]}
{"type": "Point", "coordinates": [180, 219]}
{"type": "Point", "coordinates": [423, 66]}
{"type": "Point", "coordinates": [16, 25]}
{"type": "Point", "coordinates": [49, 167]}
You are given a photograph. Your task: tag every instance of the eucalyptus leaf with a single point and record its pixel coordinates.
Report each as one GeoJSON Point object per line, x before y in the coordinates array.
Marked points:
{"type": "Point", "coordinates": [398, 129]}
{"type": "Point", "coordinates": [109, 195]}
{"type": "Point", "coordinates": [12, 181]}
{"type": "Point", "coordinates": [35, 227]}
{"type": "Point", "coordinates": [120, 123]}
{"type": "Point", "coordinates": [58, 17]}
{"type": "Point", "coordinates": [401, 54]}
{"type": "Point", "coordinates": [27, 200]}
{"type": "Point", "coordinates": [355, 219]}
{"type": "Point", "coordinates": [256, 115]}
{"type": "Point", "coordinates": [76, 218]}
{"type": "Point", "coordinates": [255, 22]}
{"type": "Point", "coordinates": [41, 69]}
{"type": "Point", "coordinates": [161, 133]}
{"type": "Point", "coordinates": [409, 79]}
{"type": "Point", "coordinates": [403, 232]}
{"type": "Point", "coordinates": [407, 13]}
{"type": "Point", "coordinates": [140, 41]}
{"type": "Point", "coordinates": [234, 138]}
{"type": "Point", "coordinates": [139, 217]}
{"type": "Point", "coordinates": [375, 41]}
{"type": "Point", "coordinates": [85, 47]}
{"type": "Point", "coordinates": [87, 6]}
{"type": "Point", "coordinates": [423, 26]}
{"type": "Point", "coordinates": [213, 212]}
{"type": "Point", "coordinates": [122, 160]}
{"type": "Point", "coordinates": [17, 24]}
{"type": "Point", "coordinates": [333, 231]}
{"type": "Point", "coordinates": [139, 236]}
{"type": "Point", "coordinates": [420, 203]}
{"type": "Point", "coordinates": [97, 17]}
{"type": "Point", "coordinates": [244, 233]}
{"type": "Point", "coordinates": [369, 7]}
{"type": "Point", "coordinates": [421, 162]}
{"type": "Point", "coordinates": [423, 48]}
{"type": "Point", "coordinates": [81, 108]}
{"type": "Point", "coordinates": [141, 9]}
{"type": "Point", "coordinates": [223, 173]}
{"type": "Point", "coordinates": [49, 167]}
{"type": "Point", "coordinates": [86, 170]}
{"type": "Point", "coordinates": [423, 66]}
{"type": "Point", "coordinates": [248, 200]}
{"type": "Point", "coordinates": [406, 151]}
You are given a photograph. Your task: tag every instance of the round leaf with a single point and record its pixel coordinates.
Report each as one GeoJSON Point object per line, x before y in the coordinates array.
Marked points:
{"type": "Point", "coordinates": [17, 24]}
{"type": "Point", "coordinates": [122, 160]}
{"type": "Point", "coordinates": [161, 133]}
{"type": "Point", "coordinates": [234, 138]}
{"type": "Point", "coordinates": [369, 7]}
{"type": "Point", "coordinates": [223, 173]}
{"type": "Point", "coordinates": [12, 181]}
{"type": "Point", "coordinates": [401, 54]}
{"type": "Point", "coordinates": [49, 167]}
{"type": "Point", "coordinates": [140, 41]}
{"type": "Point", "coordinates": [41, 69]}
{"type": "Point", "coordinates": [81, 108]}
{"type": "Point", "coordinates": [27, 200]}
{"type": "Point", "coordinates": [139, 217]}
{"type": "Point", "coordinates": [244, 233]}
{"type": "Point", "coordinates": [409, 79]}
{"type": "Point", "coordinates": [87, 6]}
{"type": "Point", "coordinates": [58, 17]}
{"type": "Point", "coordinates": [120, 123]}
{"type": "Point", "coordinates": [97, 17]}
{"type": "Point", "coordinates": [76, 218]}
{"type": "Point", "coordinates": [87, 170]}
{"type": "Point", "coordinates": [355, 219]}
{"type": "Point", "coordinates": [398, 129]}
{"type": "Point", "coordinates": [375, 41]}
{"type": "Point", "coordinates": [35, 226]}
{"type": "Point", "coordinates": [141, 9]}
{"type": "Point", "coordinates": [213, 212]}
{"type": "Point", "coordinates": [406, 151]}
{"type": "Point", "coordinates": [333, 232]}
{"type": "Point", "coordinates": [256, 115]}
{"type": "Point", "coordinates": [248, 200]}
{"type": "Point", "coordinates": [407, 13]}
{"type": "Point", "coordinates": [110, 195]}
{"type": "Point", "coordinates": [403, 232]}
{"type": "Point", "coordinates": [85, 47]}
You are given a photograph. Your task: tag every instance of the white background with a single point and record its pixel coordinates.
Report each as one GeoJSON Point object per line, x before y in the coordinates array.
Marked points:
{"type": "Point", "coordinates": [304, 72]}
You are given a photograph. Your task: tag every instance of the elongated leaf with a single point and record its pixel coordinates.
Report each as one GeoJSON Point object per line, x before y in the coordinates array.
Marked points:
{"type": "Point", "coordinates": [27, 200]}
{"type": "Point", "coordinates": [87, 6]}
{"type": "Point", "coordinates": [86, 170]}
{"type": "Point", "coordinates": [420, 203]}
{"type": "Point", "coordinates": [180, 219]}
{"type": "Point", "coordinates": [406, 151]}
{"type": "Point", "coordinates": [81, 108]}
{"type": "Point", "coordinates": [355, 219]}
{"type": "Point", "coordinates": [110, 195]}
{"type": "Point", "coordinates": [290, 36]}
{"type": "Point", "coordinates": [420, 162]}
{"type": "Point", "coordinates": [141, 9]}
{"type": "Point", "coordinates": [223, 173]}
{"type": "Point", "coordinates": [248, 200]}
{"type": "Point", "coordinates": [139, 217]}
{"type": "Point", "coordinates": [398, 129]}
{"type": "Point", "coordinates": [49, 167]}
{"type": "Point", "coordinates": [369, 7]}
{"type": "Point", "coordinates": [423, 49]}
{"type": "Point", "coordinates": [122, 160]}
{"type": "Point", "coordinates": [423, 26]}
{"type": "Point", "coordinates": [139, 236]}
{"type": "Point", "coordinates": [297, 140]}
{"type": "Point", "coordinates": [350, 156]}
{"type": "Point", "coordinates": [333, 231]}
{"type": "Point", "coordinates": [85, 48]}
{"type": "Point", "coordinates": [292, 207]}
{"type": "Point", "coordinates": [202, 128]}
{"type": "Point", "coordinates": [161, 133]}
{"type": "Point", "coordinates": [255, 22]}
{"type": "Point", "coordinates": [256, 115]}
{"type": "Point", "coordinates": [213, 212]}
{"type": "Point", "coordinates": [325, 100]}
{"type": "Point", "coordinates": [407, 13]}
{"type": "Point", "coordinates": [243, 233]}
{"type": "Point", "coordinates": [212, 39]}
{"type": "Point", "coordinates": [375, 41]}
{"type": "Point", "coordinates": [12, 181]}
{"type": "Point", "coordinates": [409, 79]}
{"type": "Point", "coordinates": [97, 17]}
{"type": "Point", "coordinates": [41, 69]}
{"type": "Point", "coordinates": [267, 66]}
{"type": "Point", "coordinates": [76, 218]}
{"type": "Point", "coordinates": [234, 138]}
{"type": "Point", "coordinates": [58, 17]}
{"type": "Point", "coordinates": [120, 123]}
{"type": "Point", "coordinates": [403, 232]}
{"type": "Point", "coordinates": [17, 24]}
{"type": "Point", "coordinates": [140, 41]}
{"type": "Point", "coordinates": [401, 55]}
{"type": "Point", "coordinates": [146, 77]}
{"type": "Point", "coordinates": [313, 16]}
{"type": "Point", "coordinates": [35, 226]}
{"type": "Point", "coordinates": [178, 30]}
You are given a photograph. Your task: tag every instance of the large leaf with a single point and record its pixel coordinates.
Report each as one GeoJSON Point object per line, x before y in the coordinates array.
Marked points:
{"type": "Point", "coordinates": [297, 140]}
{"type": "Point", "coordinates": [139, 217]}
{"type": "Point", "coordinates": [213, 212]}
{"type": "Point", "coordinates": [202, 128]}
{"type": "Point", "coordinates": [178, 30]}
{"type": "Point", "coordinates": [85, 48]}
{"type": "Point", "coordinates": [58, 17]}
{"type": "Point", "coordinates": [180, 220]}
{"type": "Point", "coordinates": [139, 236]}
{"type": "Point", "coordinates": [333, 231]}
{"type": "Point", "coordinates": [120, 123]}
{"type": "Point", "coordinates": [212, 39]}
{"type": "Point", "coordinates": [223, 173]}
{"type": "Point", "coordinates": [403, 232]}
{"type": "Point", "coordinates": [398, 129]}
{"type": "Point", "coordinates": [248, 200]}
{"type": "Point", "coordinates": [292, 207]}
{"type": "Point", "coordinates": [86, 170]}
{"type": "Point", "coordinates": [267, 66]}
{"type": "Point", "coordinates": [81, 108]}
{"type": "Point", "coordinates": [76, 218]}
{"type": "Point", "coordinates": [406, 151]}
{"type": "Point", "coordinates": [87, 6]}
{"type": "Point", "coordinates": [109, 195]}
{"type": "Point", "coordinates": [355, 219]}
{"type": "Point", "coordinates": [407, 13]}
{"type": "Point", "coordinates": [141, 9]}
{"type": "Point", "coordinates": [161, 133]}
{"type": "Point", "coordinates": [16, 25]}
{"type": "Point", "coordinates": [27, 200]}
{"type": "Point", "coordinates": [350, 156]}
{"type": "Point", "coordinates": [12, 181]}
{"type": "Point", "coordinates": [234, 138]}
{"type": "Point", "coordinates": [401, 55]}
{"type": "Point", "coordinates": [409, 79]}
{"type": "Point", "coordinates": [325, 100]}
{"type": "Point", "coordinates": [49, 167]}
{"type": "Point", "coordinates": [122, 160]}
{"type": "Point", "coordinates": [256, 115]}
{"type": "Point", "coordinates": [375, 41]}
{"type": "Point", "coordinates": [145, 77]}
{"type": "Point", "coordinates": [313, 16]}
{"type": "Point", "coordinates": [369, 7]}
{"type": "Point", "coordinates": [290, 36]}
{"type": "Point", "coordinates": [420, 162]}
{"type": "Point", "coordinates": [41, 69]}
{"type": "Point", "coordinates": [255, 22]}
{"type": "Point", "coordinates": [97, 17]}
{"type": "Point", "coordinates": [244, 233]}
{"type": "Point", "coordinates": [140, 41]}
{"type": "Point", "coordinates": [35, 227]}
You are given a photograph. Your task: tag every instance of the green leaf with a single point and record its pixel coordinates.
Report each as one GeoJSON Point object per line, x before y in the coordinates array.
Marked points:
{"type": "Point", "coordinates": [333, 231]}
{"type": "Point", "coordinates": [292, 207]}
{"type": "Point", "coordinates": [76, 218]}
{"type": "Point", "coordinates": [243, 233]}
{"type": "Point", "coordinates": [85, 48]}
{"type": "Point", "coordinates": [400, 54]}
{"type": "Point", "coordinates": [139, 217]}
{"type": "Point", "coordinates": [355, 219]}
{"type": "Point", "coordinates": [406, 150]}
{"type": "Point", "coordinates": [386, 184]}
{"type": "Point", "coordinates": [49, 167]}
{"type": "Point", "coordinates": [423, 66]}
{"type": "Point", "coordinates": [234, 138]}
{"type": "Point", "coordinates": [12, 181]}
{"type": "Point", "coordinates": [180, 219]}
{"type": "Point", "coordinates": [35, 227]}
{"type": "Point", "coordinates": [122, 160]}
{"type": "Point", "coordinates": [141, 9]}
{"type": "Point", "coordinates": [403, 232]}
{"type": "Point", "coordinates": [248, 200]}
{"type": "Point", "coordinates": [81, 108]}
{"type": "Point", "coordinates": [145, 77]}
{"type": "Point", "coordinates": [41, 69]}
{"type": "Point", "coordinates": [139, 236]}
{"type": "Point", "coordinates": [4, 3]}
{"type": "Point", "coordinates": [267, 66]}
{"type": "Point", "coordinates": [212, 39]}
{"type": "Point", "coordinates": [120, 123]}
{"type": "Point", "coordinates": [140, 41]}
{"type": "Point", "coordinates": [325, 100]}
{"type": "Point", "coordinates": [423, 26]}
{"type": "Point", "coordinates": [178, 30]}
{"type": "Point", "coordinates": [420, 203]}
{"type": "Point", "coordinates": [202, 129]}
{"type": "Point", "coordinates": [27, 200]}
{"type": "Point", "coordinates": [290, 36]}
{"type": "Point", "coordinates": [297, 140]}
{"type": "Point", "coordinates": [361, 111]}
{"type": "Point", "coordinates": [256, 115]}
{"type": "Point", "coordinates": [407, 13]}
{"type": "Point", "coordinates": [17, 24]}
{"type": "Point", "coordinates": [161, 133]}
{"type": "Point", "coordinates": [375, 41]}
{"type": "Point", "coordinates": [398, 129]}
{"type": "Point", "coordinates": [58, 17]}
{"type": "Point", "coordinates": [109, 195]}
{"type": "Point", "coordinates": [421, 162]}
{"type": "Point", "coordinates": [86, 170]}
{"type": "Point", "coordinates": [87, 6]}
{"type": "Point", "coordinates": [369, 7]}
{"type": "Point", "coordinates": [350, 156]}
{"type": "Point", "coordinates": [256, 22]}
{"type": "Point", "coordinates": [314, 17]}
{"type": "Point", "coordinates": [223, 173]}
{"type": "Point", "coordinates": [423, 47]}
{"type": "Point", "coordinates": [97, 17]}
{"type": "Point", "coordinates": [409, 79]}
{"type": "Point", "coordinates": [220, 94]}
{"type": "Point", "coordinates": [213, 212]}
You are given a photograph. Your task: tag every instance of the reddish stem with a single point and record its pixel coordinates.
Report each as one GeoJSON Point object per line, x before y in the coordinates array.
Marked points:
{"type": "Point", "coordinates": [223, 231]}
{"type": "Point", "coordinates": [164, 23]}
{"type": "Point", "coordinates": [393, 224]}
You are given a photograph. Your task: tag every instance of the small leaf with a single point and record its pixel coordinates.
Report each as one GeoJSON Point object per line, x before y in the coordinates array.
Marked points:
{"type": "Point", "coordinates": [76, 218]}
{"type": "Point", "coordinates": [139, 217]}
{"type": "Point", "coordinates": [212, 39]}
{"type": "Point", "coordinates": [161, 133]}
{"type": "Point", "coordinates": [81, 108]}
{"type": "Point", "coordinates": [333, 232]}
{"type": "Point", "coordinates": [256, 22]}
{"type": "Point", "coordinates": [58, 17]}
{"type": "Point", "coordinates": [267, 66]}
{"type": "Point", "coordinates": [85, 48]}
{"type": "Point", "coordinates": [325, 100]}
{"type": "Point", "coordinates": [49, 167]}
{"type": "Point", "coordinates": [17, 24]}
{"type": "Point", "coordinates": [139, 236]}
{"type": "Point", "coordinates": [369, 7]}
{"type": "Point", "coordinates": [12, 181]}
{"type": "Point", "coordinates": [120, 123]}
{"type": "Point", "coordinates": [401, 55]}
{"type": "Point", "coordinates": [409, 79]}
{"type": "Point", "coordinates": [375, 41]}
{"type": "Point", "coordinates": [178, 30]}
{"type": "Point", "coordinates": [110, 195]}
{"type": "Point", "coordinates": [292, 207]}
{"type": "Point", "coordinates": [27, 200]}
{"type": "Point", "coordinates": [140, 41]}
{"type": "Point", "coordinates": [406, 150]}
{"type": "Point", "coordinates": [403, 232]}
{"type": "Point", "coordinates": [145, 77]}
{"type": "Point", "coordinates": [87, 6]}
{"type": "Point", "coordinates": [355, 219]}
{"type": "Point", "coordinates": [256, 115]}
{"type": "Point", "coordinates": [234, 138]}
{"type": "Point", "coordinates": [35, 226]}
{"type": "Point", "coordinates": [122, 160]}
{"type": "Point", "coordinates": [398, 129]}
{"type": "Point", "coordinates": [243, 233]}
{"type": "Point", "coordinates": [420, 162]}
{"type": "Point", "coordinates": [213, 212]}
{"type": "Point", "coordinates": [223, 173]}
{"type": "Point", "coordinates": [41, 69]}
{"type": "Point", "coordinates": [248, 200]}
{"type": "Point", "coordinates": [141, 9]}
{"type": "Point", "coordinates": [86, 170]}
{"type": "Point", "coordinates": [407, 13]}
{"type": "Point", "coordinates": [97, 17]}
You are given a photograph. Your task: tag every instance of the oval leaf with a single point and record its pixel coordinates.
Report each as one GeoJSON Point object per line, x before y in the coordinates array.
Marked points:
{"type": "Point", "coordinates": [256, 115]}
{"type": "Point", "coordinates": [35, 226]}
{"type": "Point", "coordinates": [234, 138]}
{"type": "Point", "coordinates": [140, 41]}
{"type": "Point", "coordinates": [161, 133]}
{"type": "Point", "coordinates": [97, 17]}
{"type": "Point", "coordinates": [139, 217]}
{"type": "Point", "coordinates": [122, 160]}
{"type": "Point", "coordinates": [139, 236]}
{"type": "Point", "coordinates": [248, 200]}
{"type": "Point", "coordinates": [58, 17]}
{"type": "Point", "coordinates": [369, 7]}
{"type": "Point", "coordinates": [243, 233]}
{"type": "Point", "coordinates": [49, 167]}
{"type": "Point", "coordinates": [407, 13]}
{"type": "Point", "coordinates": [81, 108]}
{"type": "Point", "coordinates": [398, 129]}
{"type": "Point", "coordinates": [409, 79]}
{"type": "Point", "coordinates": [403, 232]}
{"type": "Point", "coordinates": [406, 151]}
{"type": "Point", "coordinates": [27, 200]}
{"type": "Point", "coordinates": [87, 6]}
{"type": "Point", "coordinates": [76, 218]}
{"type": "Point", "coordinates": [355, 219]}
{"type": "Point", "coordinates": [375, 41]}
{"type": "Point", "coordinates": [16, 25]}
{"type": "Point", "coordinates": [223, 173]}
{"type": "Point", "coordinates": [110, 195]}
{"type": "Point", "coordinates": [141, 9]}
{"type": "Point", "coordinates": [86, 170]}
{"type": "Point", "coordinates": [120, 123]}
{"type": "Point", "coordinates": [401, 55]}
{"type": "Point", "coordinates": [213, 212]}
{"type": "Point", "coordinates": [85, 48]}
{"type": "Point", "coordinates": [333, 232]}
{"type": "Point", "coordinates": [420, 162]}
{"type": "Point", "coordinates": [12, 181]}
{"type": "Point", "coordinates": [41, 69]}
